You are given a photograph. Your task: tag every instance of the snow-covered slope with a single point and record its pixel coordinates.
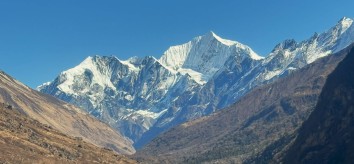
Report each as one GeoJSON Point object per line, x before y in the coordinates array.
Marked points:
{"type": "Point", "coordinates": [204, 56]}
{"type": "Point", "coordinates": [287, 57]}
{"type": "Point", "coordinates": [142, 97]}
{"type": "Point", "coordinates": [121, 93]}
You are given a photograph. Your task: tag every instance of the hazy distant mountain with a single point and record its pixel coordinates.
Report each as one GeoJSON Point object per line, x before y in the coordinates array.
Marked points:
{"type": "Point", "coordinates": [256, 129]}
{"type": "Point", "coordinates": [60, 115]}
{"type": "Point", "coordinates": [142, 97]}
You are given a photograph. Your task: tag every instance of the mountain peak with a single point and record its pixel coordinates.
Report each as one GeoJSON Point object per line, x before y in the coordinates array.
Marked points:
{"type": "Point", "coordinates": [211, 35]}
{"type": "Point", "coordinates": [286, 44]}
{"type": "Point", "coordinates": [345, 20]}
{"type": "Point", "coordinates": [344, 23]}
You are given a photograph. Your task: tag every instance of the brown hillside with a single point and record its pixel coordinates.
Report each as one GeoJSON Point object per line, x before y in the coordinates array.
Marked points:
{"type": "Point", "coordinates": [328, 135]}
{"type": "Point", "coordinates": [62, 116]}
{"type": "Point", "coordinates": [24, 140]}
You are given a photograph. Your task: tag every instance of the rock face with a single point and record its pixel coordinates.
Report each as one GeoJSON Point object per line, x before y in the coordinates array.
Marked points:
{"type": "Point", "coordinates": [328, 135]}
{"type": "Point", "coordinates": [142, 97]}
{"type": "Point", "coordinates": [256, 129]}
{"type": "Point", "coordinates": [60, 115]}
{"type": "Point", "coordinates": [24, 140]}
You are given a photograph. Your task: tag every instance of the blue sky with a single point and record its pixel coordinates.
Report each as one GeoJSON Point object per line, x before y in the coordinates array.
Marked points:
{"type": "Point", "coordinates": [41, 38]}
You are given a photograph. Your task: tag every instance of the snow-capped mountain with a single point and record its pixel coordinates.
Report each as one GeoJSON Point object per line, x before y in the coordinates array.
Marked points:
{"type": "Point", "coordinates": [132, 95]}
{"type": "Point", "coordinates": [141, 97]}
{"type": "Point", "coordinates": [285, 58]}
{"type": "Point", "coordinates": [204, 56]}
{"type": "Point", "coordinates": [122, 93]}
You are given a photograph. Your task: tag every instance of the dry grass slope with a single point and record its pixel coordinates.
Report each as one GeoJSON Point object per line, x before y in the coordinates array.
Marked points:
{"type": "Point", "coordinates": [25, 140]}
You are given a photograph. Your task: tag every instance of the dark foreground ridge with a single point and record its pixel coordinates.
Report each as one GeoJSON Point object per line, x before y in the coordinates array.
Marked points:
{"type": "Point", "coordinates": [328, 135]}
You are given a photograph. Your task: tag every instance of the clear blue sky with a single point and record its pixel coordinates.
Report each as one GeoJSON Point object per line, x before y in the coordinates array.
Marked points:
{"type": "Point", "coordinates": [41, 38]}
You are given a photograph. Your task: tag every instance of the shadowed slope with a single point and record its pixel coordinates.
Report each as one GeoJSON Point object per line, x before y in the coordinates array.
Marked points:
{"type": "Point", "coordinates": [328, 135]}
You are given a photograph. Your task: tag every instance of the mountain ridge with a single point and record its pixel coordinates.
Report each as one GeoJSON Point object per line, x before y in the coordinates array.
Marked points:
{"type": "Point", "coordinates": [327, 135]}
{"type": "Point", "coordinates": [188, 81]}
{"type": "Point", "coordinates": [255, 129]}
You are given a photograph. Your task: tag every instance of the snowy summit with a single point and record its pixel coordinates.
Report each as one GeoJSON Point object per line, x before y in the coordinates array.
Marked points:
{"type": "Point", "coordinates": [205, 55]}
